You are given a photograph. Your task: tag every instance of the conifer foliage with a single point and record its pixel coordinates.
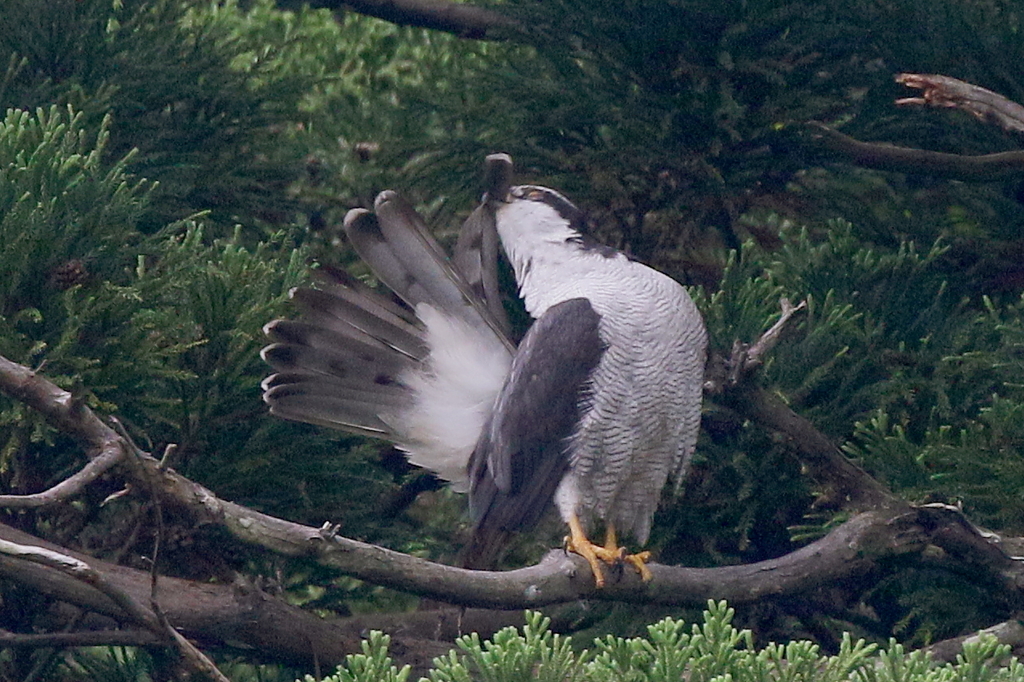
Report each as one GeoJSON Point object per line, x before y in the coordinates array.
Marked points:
{"type": "Point", "coordinates": [713, 650]}
{"type": "Point", "coordinates": [170, 168]}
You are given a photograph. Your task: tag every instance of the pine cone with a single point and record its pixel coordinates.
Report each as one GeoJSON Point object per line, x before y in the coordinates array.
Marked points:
{"type": "Point", "coordinates": [69, 274]}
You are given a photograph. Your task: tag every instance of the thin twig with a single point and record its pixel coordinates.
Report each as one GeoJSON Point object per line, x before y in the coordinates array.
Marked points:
{"type": "Point", "coordinates": [110, 456]}
{"type": "Point", "coordinates": [744, 357]}
{"type": "Point", "coordinates": [120, 637]}
{"type": "Point", "coordinates": [195, 659]}
{"type": "Point", "coordinates": [759, 350]}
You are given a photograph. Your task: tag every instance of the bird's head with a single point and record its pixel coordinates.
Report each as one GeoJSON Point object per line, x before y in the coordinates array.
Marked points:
{"type": "Point", "coordinates": [537, 214]}
{"type": "Point", "coordinates": [529, 216]}
{"type": "Point", "coordinates": [538, 227]}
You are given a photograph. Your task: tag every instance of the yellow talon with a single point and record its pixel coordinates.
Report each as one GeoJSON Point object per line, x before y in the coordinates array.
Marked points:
{"type": "Point", "coordinates": [639, 562]}
{"type": "Point", "coordinates": [611, 554]}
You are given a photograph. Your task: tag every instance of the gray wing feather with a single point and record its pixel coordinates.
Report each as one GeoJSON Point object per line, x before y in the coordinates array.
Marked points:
{"type": "Point", "coordinates": [335, 310]}
{"type": "Point", "coordinates": [476, 255]}
{"type": "Point", "coordinates": [298, 398]}
{"type": "Point", "coordinates": [344, 363]}
{"type": "Point", "coordinates": [524, 450]}
{"type": "Point", "coordinates": [396, 261]}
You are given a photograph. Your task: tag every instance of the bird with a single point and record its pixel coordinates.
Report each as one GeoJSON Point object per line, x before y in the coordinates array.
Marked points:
{"type": "Point", "coordinates": [592, 412]}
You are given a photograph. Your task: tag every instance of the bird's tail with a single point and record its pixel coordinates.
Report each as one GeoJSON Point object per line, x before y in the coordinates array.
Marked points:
{"type": "Point", "coordinates": [339, 363]}
{"type": "Point", "coordinates": [422, 377]}
{"type": "Point", "coordinates": [485, 549]}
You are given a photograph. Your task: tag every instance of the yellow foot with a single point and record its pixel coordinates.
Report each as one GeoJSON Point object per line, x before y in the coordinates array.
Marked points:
{"type": "Point", "coordinates": [594, 554]}
{"type": "Point", "coordinates": [611, 554]}
{"type": "Point", "coordinates": [639, 562]}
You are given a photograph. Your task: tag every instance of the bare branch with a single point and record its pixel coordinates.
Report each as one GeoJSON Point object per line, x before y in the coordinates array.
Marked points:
{"type": "Point", "coordinates": [728, 382]}
{"type": "Point", "coordinates": [81, 570]}
{"type": "Point", "coordinates": [892, 528]}
{"type": "Point", "coordinates": [850, 486]}
{"type": "Point", "coordinates": [560, 577]}
{"type": "Point", "coordinates": [951, 93]}
{"type": "Point", "coordinates": [745, 358]}
{"type": "Point", "coordinates": [944, 92]}
{"type": "Point", "coordinates": [110, 455]}
{"type": "Point", "coordinates": [759, 350]}
{"type": "Point", "coordinates": [464, 20]}
{"type": "Point", "coordinates": [237, 614]}
{"type": "Point", "coordinates": [1010, 632]}
{"type": "Point", "coordinates": [983, 168]}
{"type": "Point", "coordinates": [127, 637]}
{"type": "Point", "coordinates": [220, 613]}
{"type": "Point", "coordinates": [57, 405]}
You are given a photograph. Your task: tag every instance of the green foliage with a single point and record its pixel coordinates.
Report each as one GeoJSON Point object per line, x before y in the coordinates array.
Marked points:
{"type": "Point", "coordinates": [117, 664]}
{"type": "Point", "coordinates": [884, 312]}
{"type": "Point", "coordinates": [877, 328]}
{"type": "Point", "coordinates": [669, 652]}
{"type": "Point", "coordinates": [59, 202]}
{"type": "Point", "coordinates": [535, 654]}
{"type": "Point", "coordinates": [983, 660]}
{"type": "Point", "coordinates": [373, 664]}
{"type": "Point", "coordinates": [206, 305]}
{"type": "Point", "coordinates": [158, 322]}
{"type": "Point", "coordinates": [200, 129]}
{"type": "Point", "coordinates": [895, 358]}
{"type": "Point", "coordinates": [674, 123]}
{"type": "Point", "coordinates": [922, 605]}
{"type": "Point", "coordinates": [972, 448]}
{"type": "Point", "coordinates": [715, 650]}
{"type": "Point", "coordinates": [64, 215]}
{"type": "Point", "coordinates": [359, 93]}
{"type": "Point", "coordinates": [669, 121]}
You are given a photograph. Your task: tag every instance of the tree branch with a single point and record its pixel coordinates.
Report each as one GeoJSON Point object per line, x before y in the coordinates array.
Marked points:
{"type": "Point", "coordinates": [729, 382]}
{"type": "Point", "coordinates": [755, 354]}
{"type": "Point", "coordinates": [848, 551]}
{"type": "Point", "coordinates": [464, 20]}
{"type": "Point", "coordinates": [847, 485]}
{"type": "Point", "coordinates": [210, 612]}
{"type": "Point", "coordinates": [110, 455]}
{"type": "Point", "coordinates": [82, 571]}
{"type": "Point", "coordinates": [59, 408]}
{"type": "Point", "coordinates": [983, 168]}
{"type": "Point", "coordinates": [234, 615]}
{"type": "Point", "coordinates": [950, 93]}
{"type": "Point", "coordinates": [944, 92]}
{"type": "Point", "coordinates": [127, 637]}
{"type": "Point", "coordinates": [1008, 632]}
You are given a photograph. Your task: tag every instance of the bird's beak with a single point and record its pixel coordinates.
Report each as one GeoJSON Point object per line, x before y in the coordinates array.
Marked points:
{"type": "Point", "coordinates": [498, 177]}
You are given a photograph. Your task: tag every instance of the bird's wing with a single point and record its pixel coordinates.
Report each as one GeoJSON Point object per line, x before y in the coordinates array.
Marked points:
{"type": "Point", "coordinates": [524, 450]}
